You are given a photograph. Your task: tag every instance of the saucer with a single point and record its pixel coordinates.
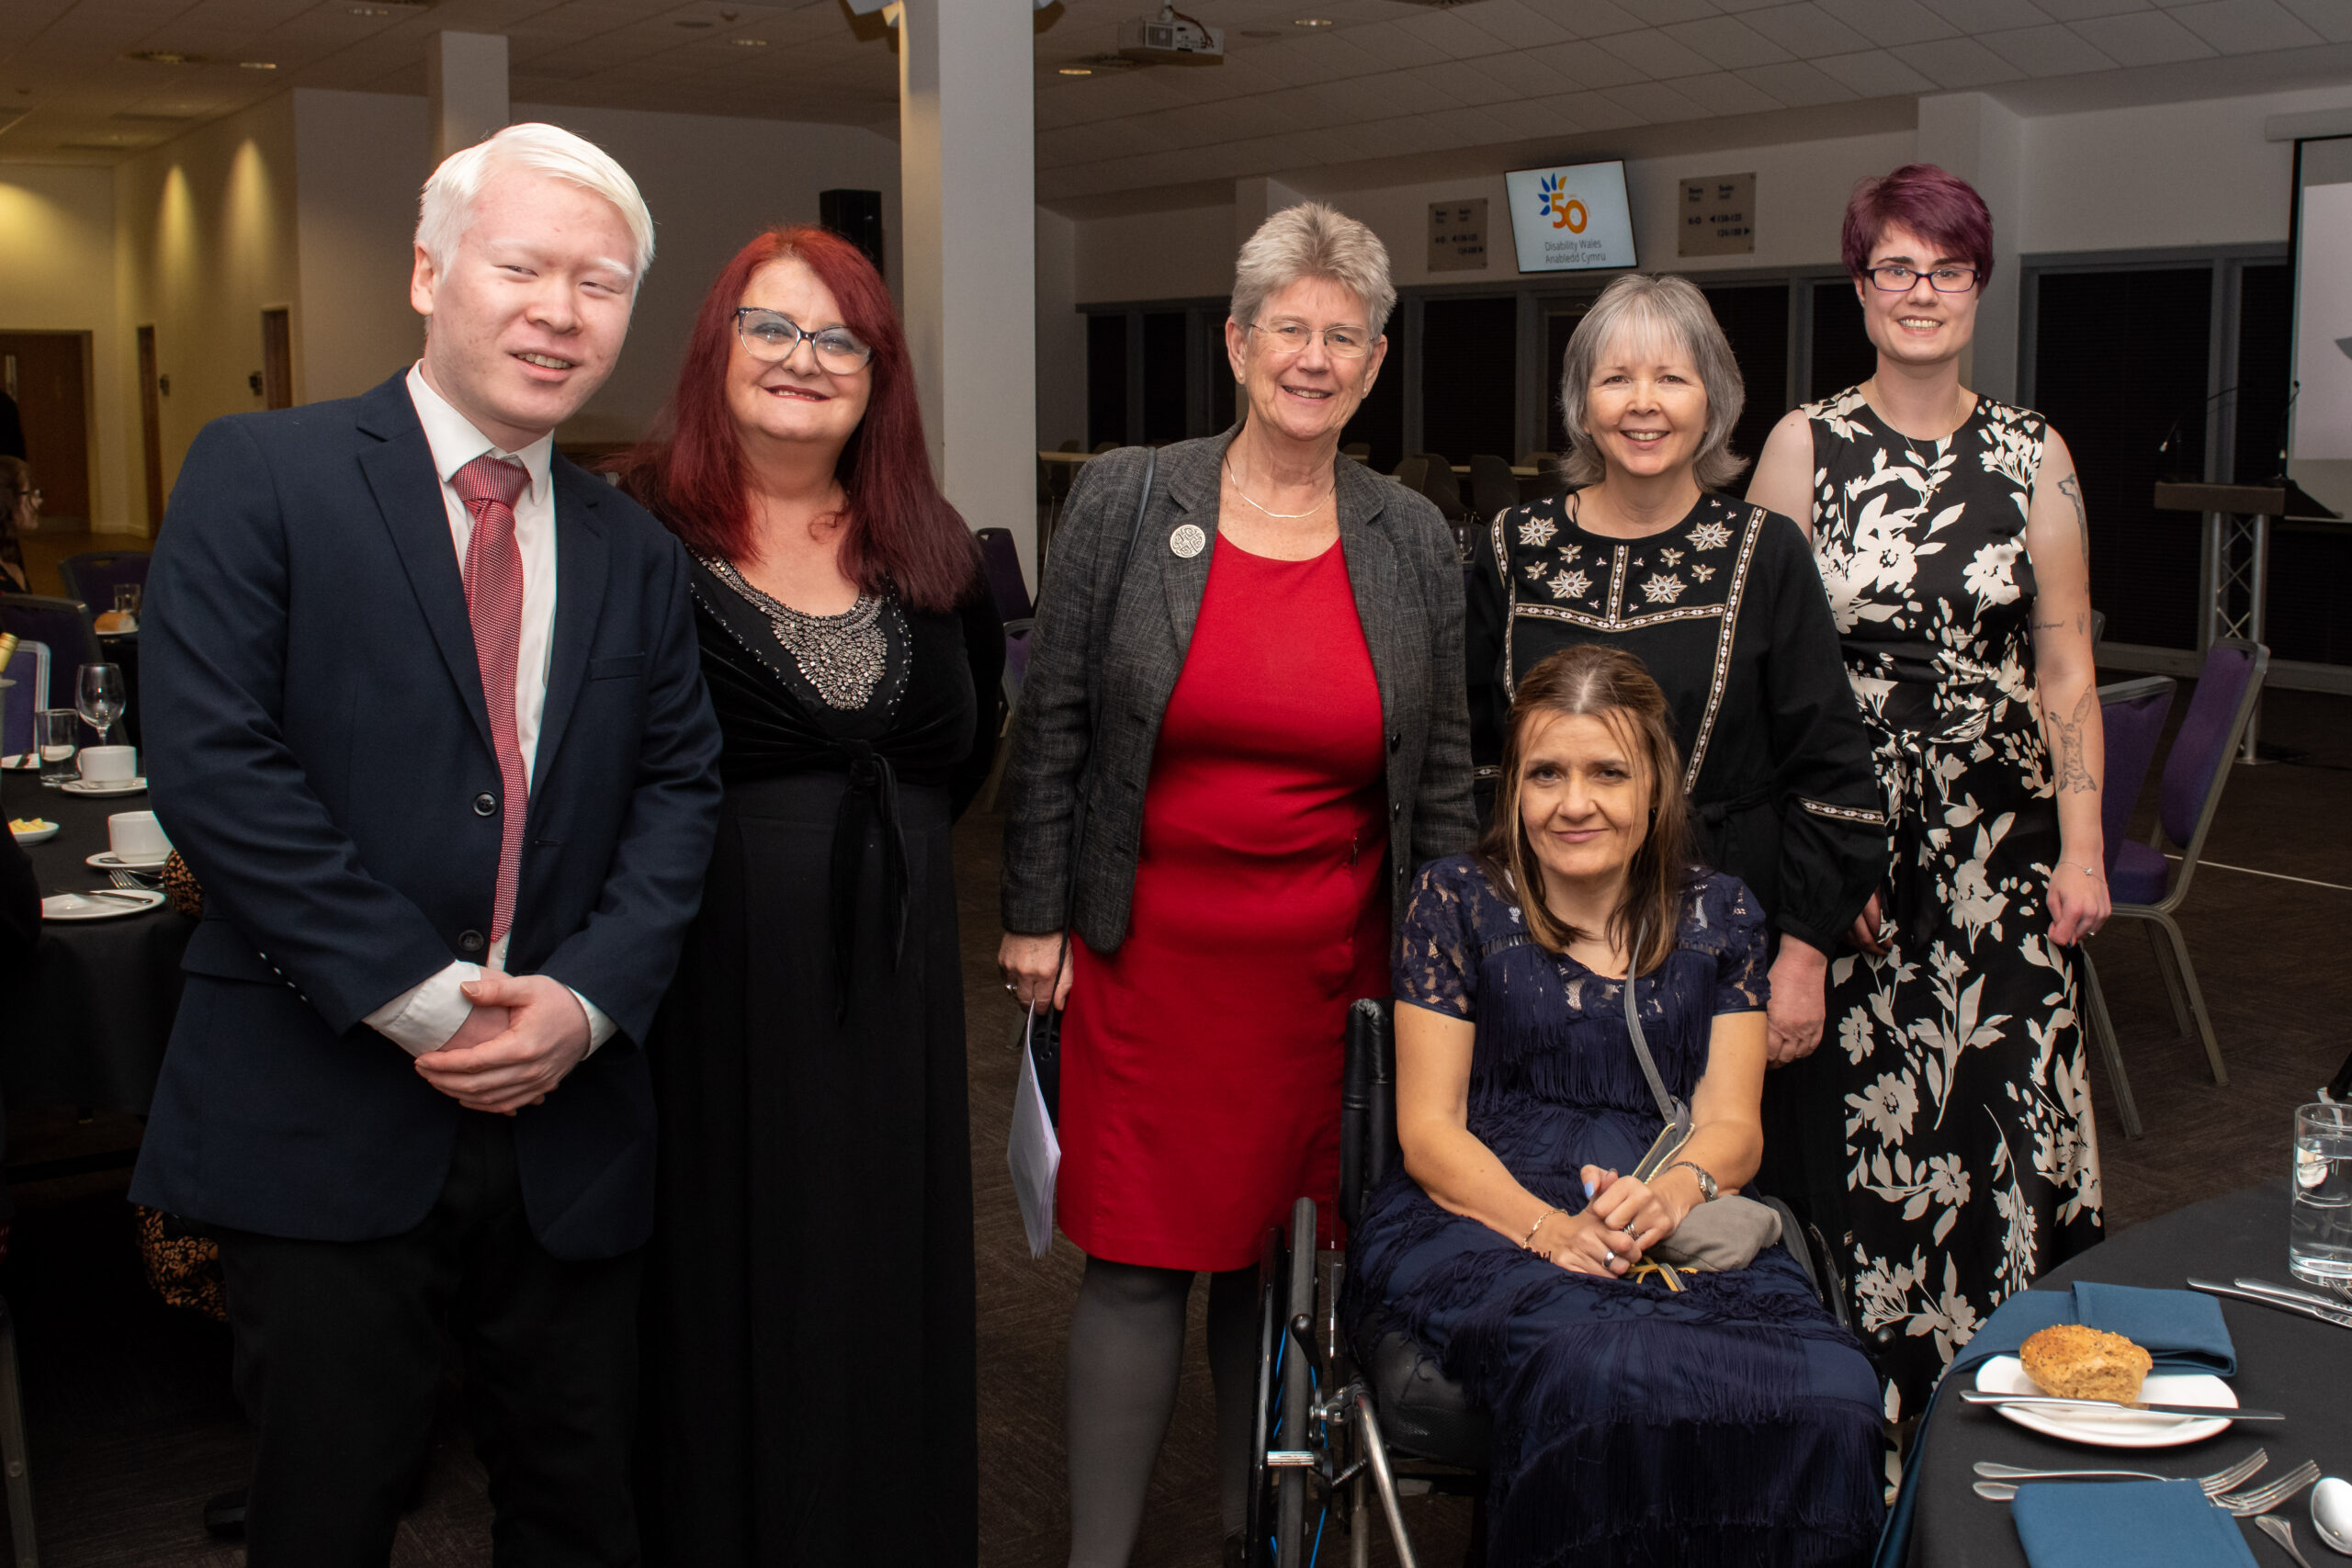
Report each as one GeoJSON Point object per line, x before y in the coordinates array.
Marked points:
{"type": "Point", "coordinates": [107, 859]}
{"type": "Point", "coordinates": [108, 786]}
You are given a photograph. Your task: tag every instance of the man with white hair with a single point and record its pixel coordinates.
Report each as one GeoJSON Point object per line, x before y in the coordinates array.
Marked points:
{"type": "Point", "coordinates": [425, 719]}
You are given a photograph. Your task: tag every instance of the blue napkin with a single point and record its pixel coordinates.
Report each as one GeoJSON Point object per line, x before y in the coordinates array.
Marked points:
{"type": "Point", "coordinates": [2181, 1330]}
{"type": "Point", "coordinates": [2149, 1524]}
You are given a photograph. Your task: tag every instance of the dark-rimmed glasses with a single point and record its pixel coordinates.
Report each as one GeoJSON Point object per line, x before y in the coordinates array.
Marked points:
{"type": "Point", "coordinates": [1896, 279]}
{"type": "Point", "coordinates": [771, 336]}
{"type": "Point", "coordinates": [1340, 343]}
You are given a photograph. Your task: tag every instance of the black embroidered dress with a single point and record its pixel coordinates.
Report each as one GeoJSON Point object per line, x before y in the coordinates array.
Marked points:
{"type": "Point", "coordinates": [808, 1334]}
{"type": "Point", "coordinates": [1725, 611]}
{"type": "Point", "coordinates": [1733, 1423]}
{"type": "Point", "coordinates": [1968, 1162]}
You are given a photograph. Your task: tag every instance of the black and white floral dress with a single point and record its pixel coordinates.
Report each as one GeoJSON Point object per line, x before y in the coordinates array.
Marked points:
{"type": "Point", "coordinates": [1970, 1164]}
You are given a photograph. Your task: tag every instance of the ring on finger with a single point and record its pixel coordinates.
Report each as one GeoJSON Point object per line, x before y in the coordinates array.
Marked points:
{"type": "Point", "coordinates": [1607, 1255]}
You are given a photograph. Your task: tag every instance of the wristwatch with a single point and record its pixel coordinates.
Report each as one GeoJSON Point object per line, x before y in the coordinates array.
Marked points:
{"type": "Point", "coordinates": [1706, 1182]}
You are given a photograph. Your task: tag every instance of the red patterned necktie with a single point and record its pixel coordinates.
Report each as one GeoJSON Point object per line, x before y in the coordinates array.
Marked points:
{"type": "Point", "coordinates": [489, 487]}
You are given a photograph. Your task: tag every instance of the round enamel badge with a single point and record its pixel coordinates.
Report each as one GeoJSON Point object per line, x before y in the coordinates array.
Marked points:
{"type": "Point", "coordinates": [1187, 541]}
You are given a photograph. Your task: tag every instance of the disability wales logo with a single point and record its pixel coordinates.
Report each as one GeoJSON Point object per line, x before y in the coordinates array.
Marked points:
{"type": "Point", "coordinates": [1564, 210]}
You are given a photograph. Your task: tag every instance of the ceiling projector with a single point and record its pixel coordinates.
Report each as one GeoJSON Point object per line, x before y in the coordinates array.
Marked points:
{"type": "Point", "coordinates": [1171, 38]}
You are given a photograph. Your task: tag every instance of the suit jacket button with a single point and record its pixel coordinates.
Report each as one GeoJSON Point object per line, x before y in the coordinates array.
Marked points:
{"type": "Point", "coordinates": [1396, 744]}
{"type": "Point", "coordinates": [470, 942]}
{"type": "Point", "coordinates": [1397, 810]}
{"type": "Point", "coordinates": [485, 805]}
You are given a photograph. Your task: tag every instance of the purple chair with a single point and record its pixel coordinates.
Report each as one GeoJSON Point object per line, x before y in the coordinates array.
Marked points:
{"type": "Point", "coordinates": [2144, 885]}
{"type": "Point", "coordinates": [29, 667]}
{"type": "Point", "coordinates": [94, 575]}
{"type": "Point", "coordinates": [63, 624]}
{"type": "Point", "coordinates": [1000, 559]}
{"type": "Point", "coordinates": [2133, 714]}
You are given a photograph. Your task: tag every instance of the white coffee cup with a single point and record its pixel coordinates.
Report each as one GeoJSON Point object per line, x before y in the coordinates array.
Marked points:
{"type": "Point", "coordinates": [137, 838]}
{"type": "Point", "coordinates": [108, 764]}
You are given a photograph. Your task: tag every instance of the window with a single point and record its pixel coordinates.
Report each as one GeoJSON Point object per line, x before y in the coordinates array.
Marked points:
{"type": "Point", "coordinates": [1469, 377]}
{"type": "Point", "coordinates": [1755, 319]}
{"type": "Point", "coordinates": [1106, 380]}
{"type": "Point", "coordinates": [1164, 378]}
{"type": "Point", "coordinates": [1843, 355]}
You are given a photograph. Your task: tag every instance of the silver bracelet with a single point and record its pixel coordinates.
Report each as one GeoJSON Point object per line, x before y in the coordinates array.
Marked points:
{"type": "Point", "coordinates": [2087, 870]}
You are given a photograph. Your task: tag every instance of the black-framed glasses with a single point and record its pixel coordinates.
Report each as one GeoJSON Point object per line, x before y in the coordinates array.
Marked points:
{"type": "Point", "coordinates": [771, 336]}
{"type": "Point", "coordinates": [1340, 343]}
{"type": "Point", "coordinates": [1895, 279]}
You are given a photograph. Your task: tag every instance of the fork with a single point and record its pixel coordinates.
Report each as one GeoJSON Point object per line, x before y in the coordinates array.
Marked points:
{"type": "Point", "coordinates": [2221, 1480]}
{"type": "Point", "coordinates": [132, 880]}
{"type": "Point", "coordinates": [2243, 1504]}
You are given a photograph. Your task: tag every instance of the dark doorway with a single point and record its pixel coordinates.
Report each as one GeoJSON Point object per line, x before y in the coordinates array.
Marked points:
{"type": "Point", "coordinates": [1755, 319]}
{"type": "Point", "coordinates": [151, 428]}
{"type": "Point", "coordinates": [277, 358]}
{"type": "Point", "coordinates": [1164, 379]}
{"type": "Point", "coordinates": [1843, 355]}
{"type": "Point", "coordinates": [1559, 325]}
{"type": "Point", "coordinates": [1106, 381]}
{"type": "Point", "coordinates": [1469, 377]}
{"type": "Point", "coordinates": [1379, 420]}
{"type": "Point", "coordinates": [48, 374]}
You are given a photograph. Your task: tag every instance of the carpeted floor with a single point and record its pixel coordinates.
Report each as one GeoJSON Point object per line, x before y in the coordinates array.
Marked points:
{"type": "Point", "coordinates": [132, 1424]}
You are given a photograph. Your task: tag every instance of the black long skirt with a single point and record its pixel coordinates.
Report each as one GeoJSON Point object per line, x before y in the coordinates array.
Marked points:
{"type": "Point", "coordinates": [808, 1327]}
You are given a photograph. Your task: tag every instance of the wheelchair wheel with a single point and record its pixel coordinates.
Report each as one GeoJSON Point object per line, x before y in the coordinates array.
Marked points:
{"type": "Point", "coordinates": [1283, 1520]}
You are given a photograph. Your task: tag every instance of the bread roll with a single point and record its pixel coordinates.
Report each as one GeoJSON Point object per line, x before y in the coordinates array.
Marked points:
{"type": "Point", "coordinates": [2075, 1362]}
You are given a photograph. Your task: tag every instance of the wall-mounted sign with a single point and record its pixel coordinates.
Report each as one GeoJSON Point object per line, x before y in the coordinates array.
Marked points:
{"type": "Point", "coordinates": [1718, 216]}
{"type": "Point", "coordinates": [1458, 235]}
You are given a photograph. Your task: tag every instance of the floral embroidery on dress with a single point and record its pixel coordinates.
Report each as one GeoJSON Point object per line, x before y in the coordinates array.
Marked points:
{"type": "Point", "coordinates": [1710, 537]}
{"type": "Point", "coordinates": [1537, 531]}
{"type": "Point", "coordinates": [1671, 558]}
{"type": "Point", "coordinates": [1662, 589]}
{"type": "Point", "coordinates": [1570, 585]}
{"type": "Point", "coordinates": [1702, 571]}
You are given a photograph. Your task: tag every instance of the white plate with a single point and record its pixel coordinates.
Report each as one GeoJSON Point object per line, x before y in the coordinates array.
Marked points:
{"type": "Point", "coordinates": [107, 859]}
{"type": "Point", "coordinates": [39, 835]}
{"type": "Point", "coordinates": [112, 787]}
{"type": "Point", "coordinates": [2125, 1428]}
{"type": "Point", "coordinates": [81, 907]}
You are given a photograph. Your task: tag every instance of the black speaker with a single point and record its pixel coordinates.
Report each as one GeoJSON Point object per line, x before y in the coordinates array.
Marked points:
{"type": "Point", "coordinates": [855, 216]}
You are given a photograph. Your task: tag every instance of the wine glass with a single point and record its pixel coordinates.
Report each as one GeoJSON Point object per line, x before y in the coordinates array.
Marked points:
{"type": "Point", "coordinates": [100, 699]}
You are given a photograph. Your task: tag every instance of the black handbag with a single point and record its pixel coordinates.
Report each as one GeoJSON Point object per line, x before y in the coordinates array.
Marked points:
{"type": "Point", "coordinates": [1041, 1033]}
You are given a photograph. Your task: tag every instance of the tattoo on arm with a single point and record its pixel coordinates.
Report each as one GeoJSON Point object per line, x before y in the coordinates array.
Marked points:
{"type": "Point", "coordinates": [2067, 736]}
{"type": "Point", "coordinates": [2071, 486]}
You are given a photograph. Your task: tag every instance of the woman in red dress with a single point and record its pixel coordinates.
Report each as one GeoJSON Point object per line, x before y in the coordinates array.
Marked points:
{"type": "Point", "coordinates": [1237, 738]}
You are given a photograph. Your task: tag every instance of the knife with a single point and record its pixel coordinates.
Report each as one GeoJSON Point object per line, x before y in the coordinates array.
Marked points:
{"type": "Point", "coordinates": [2292, 1293]}
{"type": "Point", "coordinates": [2216, 1412]}
{"type": "Point", "coordinates": [2340, 1317]}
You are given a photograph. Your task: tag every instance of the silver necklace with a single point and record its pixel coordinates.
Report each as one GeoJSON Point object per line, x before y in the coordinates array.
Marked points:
{"type": "Point", "coordinates": [1285, 516]}
{"type": "Point", "coordinates": [842, 657]}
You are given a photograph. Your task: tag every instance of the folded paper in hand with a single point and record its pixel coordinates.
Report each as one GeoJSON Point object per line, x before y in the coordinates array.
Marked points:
{"type": "Point", "coordinates": [1034, 1151]}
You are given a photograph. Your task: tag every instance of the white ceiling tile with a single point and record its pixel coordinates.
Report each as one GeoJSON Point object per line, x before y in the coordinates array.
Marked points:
{"type": "Point", "coordinates": [1875, 73]}
{"type": "Point", "coordinates": [1468, 82]}
{"type": "Point", "coordinates": [1727, 41]}
{"type": "Point", "coordinates": [1988, 16]}
{"type": "Point", "coordinates": [1658, 12]}
{"type": "Point", "coordinates": [2048, 50]}
{"type": "Point", "coordinates": [1517, 25]}
{"type": "Point", "coordinates": [1599, 66]}
{"type": "Point", "coordinates": [2332, 19]}
{"type": "Point", "coordinates": [1536, 73]}
{"type": "Point", "coordinates": [1806, 31]}
{"type": "Point", "coordinates": [2245, 26]}
{"type": "Point", "coordinates": [1313, 59]}
{"type": "Point", "coordinates": [1654, 102]}
{"type": "Point", "coordinates": [1532, 121]}
{"type": "Point", "coordinates": [1444, 35]}
{"type": "Point", "coordinates": [1389, 44]}
{"type": "Point", "coordinates": [1886, 22]}
{"type": "Point", "coordinates": [2083, 10]}
{"type": "Point", "coordinates": [1655, 55]}
{"type": "Point", "coordinates": [1958, 63]}
{"type": "Point", "coordinates": [1592, 19]}
{"type": "Point", "coordinates": [1797, 84]}
{"type": "Point", "coordinates": [1596, 113]}
{"type": "Point", "coordinates": [1720, 92]}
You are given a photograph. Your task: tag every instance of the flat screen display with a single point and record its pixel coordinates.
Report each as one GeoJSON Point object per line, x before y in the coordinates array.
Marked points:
{"type": "Point", "coordinates": [1571, 219]}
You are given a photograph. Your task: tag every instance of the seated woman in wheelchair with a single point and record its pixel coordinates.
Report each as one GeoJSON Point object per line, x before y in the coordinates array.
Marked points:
{"type": "Point", "coordinates": [1641, 1414]}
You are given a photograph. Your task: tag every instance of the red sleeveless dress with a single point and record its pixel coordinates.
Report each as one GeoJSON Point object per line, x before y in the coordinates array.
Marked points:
{"type": "Point", "coordinates": [1199, 1093]}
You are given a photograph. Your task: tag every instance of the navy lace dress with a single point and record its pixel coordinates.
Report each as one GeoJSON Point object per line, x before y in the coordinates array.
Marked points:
{"type": "Point", "coordinates": [1733, 1423]}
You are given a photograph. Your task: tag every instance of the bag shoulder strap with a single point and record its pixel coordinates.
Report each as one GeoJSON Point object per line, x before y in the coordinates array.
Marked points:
{"type": "Point", "coordinates": [1667, 1107]}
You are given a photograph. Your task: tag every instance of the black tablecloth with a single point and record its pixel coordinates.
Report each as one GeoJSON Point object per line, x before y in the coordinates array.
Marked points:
{"type": "Point", "coordinates": [2287, 1363]}
{"type": "Point", "coordinates": [92, 1029]}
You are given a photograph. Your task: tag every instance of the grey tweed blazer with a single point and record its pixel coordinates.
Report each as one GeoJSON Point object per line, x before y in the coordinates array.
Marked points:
{"type": "Point", "coordinates": [1127, 641]}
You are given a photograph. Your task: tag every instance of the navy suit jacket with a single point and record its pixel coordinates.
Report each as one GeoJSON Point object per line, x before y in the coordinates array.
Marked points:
{"type": "Point", "coordinates": [320, 754]}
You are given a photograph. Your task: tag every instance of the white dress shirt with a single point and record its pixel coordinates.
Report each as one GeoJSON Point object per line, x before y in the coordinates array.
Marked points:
{"type": "Point", "coordinates": [421, 1018]}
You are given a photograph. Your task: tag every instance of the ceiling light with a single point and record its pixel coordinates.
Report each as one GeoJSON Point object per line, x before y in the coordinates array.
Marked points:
{"type": "Point", "coordinates": [163, 57]}
{"type": "Point", "coordinates": [1310, 21]}
{"type": "Point", "coordinates": [371, 10]}
{"type": "Point", "coordinates": [256, 66]}
{"type": "Point", "coordinates": [749, 42]}
{"type": "Point", "coordinates": [1078, 71]}
{"type": "Point", "coordinates": [696, 24]}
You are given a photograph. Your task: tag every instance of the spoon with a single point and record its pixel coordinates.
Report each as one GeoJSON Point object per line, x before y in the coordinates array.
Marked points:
{"type": "Point", "coordinates": [2283, 1534]}
{"type": "Point", "coordinates": [2331, 1513]}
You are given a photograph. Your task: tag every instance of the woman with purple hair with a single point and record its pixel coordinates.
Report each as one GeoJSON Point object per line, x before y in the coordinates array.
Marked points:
{"type": "Point", "coordinates": [1942, 1136]}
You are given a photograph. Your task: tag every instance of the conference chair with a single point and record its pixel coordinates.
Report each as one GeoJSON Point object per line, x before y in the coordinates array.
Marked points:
{"type": "Point", "coordinates": [94, 575]}
{"type": "Point", "coordinates": [1440, 484]}
{"type": "Point", "coordinates": [1493, 487]}
{"type": "Point", "coordinates": [2140, 880]}
{"type": "Point", "coordinates": [2133, 714]}
{"type": "Point", "coordinates": [1360, 450]}
{"type": "Point", "coordinates": [63, 624]}
{"type": "Point", "coordinates": [1000, 559]}
{"type": "Point", "coordinates": [1409, 472]}
{"type": "Point", "coordinates": [29, 667]}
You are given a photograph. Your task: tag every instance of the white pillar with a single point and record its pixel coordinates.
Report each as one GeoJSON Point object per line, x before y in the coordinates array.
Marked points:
{"type": "Point", "coordinates": [1256, 199]}
{"type": "Point", "coordinates": [967, 195]}
{"type": "Point", "coordinates": [465, 90]}
{"type": "Point", "coordinates": [1975, 136]}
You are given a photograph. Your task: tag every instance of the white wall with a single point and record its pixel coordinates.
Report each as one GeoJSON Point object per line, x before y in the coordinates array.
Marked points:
{"type": "Point", "coordinates": [1156, 256]}
{"type": "Point", "coordinates": [360, 160]}
{"type": "Point", "coordinates": [57, 261]}
{"type": "Point", "coordinates": [1061, 334]}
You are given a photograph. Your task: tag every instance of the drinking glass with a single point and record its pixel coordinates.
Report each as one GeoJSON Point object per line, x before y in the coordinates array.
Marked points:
{"type": "Point", "coordinates": [2319, 1235]}
{"type": "Point", "coordinates": [125, 599]}
{"type": "Point", "coordinates": [98, 698]}
{"type": "Point", "coordinates": [56, 735]}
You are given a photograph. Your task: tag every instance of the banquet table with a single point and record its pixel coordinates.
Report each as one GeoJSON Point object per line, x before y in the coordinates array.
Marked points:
{"type": "Point", "coordinates": [2294, 1365]}
{"type": "Point", "coordinates": [91, 1029]}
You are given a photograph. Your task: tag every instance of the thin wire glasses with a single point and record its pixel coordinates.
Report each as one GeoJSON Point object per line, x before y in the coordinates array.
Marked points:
{"type": "Point", "coordinates": [771, 336]}
{"type": "Point", "coordinates": [1340, 343]}
{"type": "Point", "coordinates": [1893, 279]}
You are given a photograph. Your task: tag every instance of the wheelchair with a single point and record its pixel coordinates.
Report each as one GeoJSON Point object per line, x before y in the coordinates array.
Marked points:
{"type": "Point", "coordinates": [1339, 1424]}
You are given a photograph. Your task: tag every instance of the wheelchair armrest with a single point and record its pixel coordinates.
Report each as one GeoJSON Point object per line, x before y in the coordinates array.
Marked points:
{"type": "Point", "coordinates": [1019, 626]}
{"type": "Point", "coordinates": [1367, 1104]}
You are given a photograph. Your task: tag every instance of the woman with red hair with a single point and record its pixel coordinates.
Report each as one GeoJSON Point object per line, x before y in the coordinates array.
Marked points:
{"type": "Point", "coordinates": [1944, 1130]}
{"type": "Point", "coordinates": [809, 1297]}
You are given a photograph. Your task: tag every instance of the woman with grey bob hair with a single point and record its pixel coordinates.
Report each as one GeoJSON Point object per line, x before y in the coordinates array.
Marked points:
{"type": "Point", "coordinates": [1247, 673]}
{"type": "Point", "coordinates": [1721, 602]}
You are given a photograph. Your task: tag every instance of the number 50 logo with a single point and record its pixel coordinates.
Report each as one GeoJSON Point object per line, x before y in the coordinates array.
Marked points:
{"type": "Point", "coordinates": [1564, 210]}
